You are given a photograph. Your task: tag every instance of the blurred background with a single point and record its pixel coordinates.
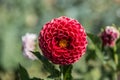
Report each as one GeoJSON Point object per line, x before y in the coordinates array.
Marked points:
{"type": "Point", "coordinates": [18, 17]}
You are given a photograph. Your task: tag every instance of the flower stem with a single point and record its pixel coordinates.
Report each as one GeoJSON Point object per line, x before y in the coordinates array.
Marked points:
{"type": "Point", "coordinates": [66, 71]}
{"type": "Point", "coordinates": [115, 57]}
{"type": "Point", "coordinates": [116, 62]}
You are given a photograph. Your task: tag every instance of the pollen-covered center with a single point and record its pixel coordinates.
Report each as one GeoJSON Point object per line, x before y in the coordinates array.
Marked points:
{"type": "Point", "coordinates": [63, 43]}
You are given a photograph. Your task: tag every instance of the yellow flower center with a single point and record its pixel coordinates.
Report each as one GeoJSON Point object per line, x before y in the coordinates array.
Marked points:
{"type": "Point", "coordinates": [63, 43]}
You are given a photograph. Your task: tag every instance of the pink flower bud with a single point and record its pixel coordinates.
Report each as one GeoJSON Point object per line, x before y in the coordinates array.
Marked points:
{"type": "Point", "coordinates": [109, 36]}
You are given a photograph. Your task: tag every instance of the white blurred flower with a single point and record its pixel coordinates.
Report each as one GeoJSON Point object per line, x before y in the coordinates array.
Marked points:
{"type": "Point", "coordinates": [28, 44]}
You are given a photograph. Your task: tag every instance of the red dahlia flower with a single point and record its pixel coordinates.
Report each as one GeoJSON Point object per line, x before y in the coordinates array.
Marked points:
{"type": "Point", "coordinates": [109, 36]}
{"type": "Point", "coordinates": [63, 40]}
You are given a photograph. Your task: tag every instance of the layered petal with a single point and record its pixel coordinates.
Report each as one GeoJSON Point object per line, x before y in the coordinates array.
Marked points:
{"type": "Point", "coordinates": [63, 40]}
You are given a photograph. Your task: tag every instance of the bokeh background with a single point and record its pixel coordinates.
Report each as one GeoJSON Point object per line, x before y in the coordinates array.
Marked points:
{"type": "Point", "coordinates": [18, 17]}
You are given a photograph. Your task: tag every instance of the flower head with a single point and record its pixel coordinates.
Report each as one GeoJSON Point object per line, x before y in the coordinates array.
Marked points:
{"type": "Point", "coordinates": [28, 43]}
{"type": "Point", "coordinates": [63, 40]}
{"type": "Point", "coordinates": [109, 36]}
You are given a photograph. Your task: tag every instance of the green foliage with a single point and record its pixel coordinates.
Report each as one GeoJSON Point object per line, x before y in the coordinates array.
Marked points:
{"type": "Point", "coordinates": [67, 71]}
{"type": "Point", "coordinates": [23, 73]}
{"type": "Point", "coordinates": [95, 39]}
{"type": "Point", "coordinates": [18, 17]}
{"type": "Point", "coordinates": [36, 79]}
{"type": "Point", "coordinates": [48, 66]}
{"type": "Point", "coordinates": [96, 43]}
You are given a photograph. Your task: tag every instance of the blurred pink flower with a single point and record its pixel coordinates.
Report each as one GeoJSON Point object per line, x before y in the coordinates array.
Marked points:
{"type": "Point", "coordinates": [109, 36]}
{"type": "Point", "coordinates": [28, 44]}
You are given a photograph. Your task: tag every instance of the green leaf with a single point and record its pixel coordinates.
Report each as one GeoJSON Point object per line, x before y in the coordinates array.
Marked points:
{"type": "Point", "coordinates": [66, 70]}
{"type": "Point", "coordinates": [99, 54]}
{"type": "Point", "coordinates": [89, 56]}
{"type": "Point", "coordinates": [118, 41]}
{"type": "Point", "coordinates": [54, 73]}
{"type": "Point", "coordinates": [112, 64]}
{"type": "Point", "coordinates": [36, 79]}
{"type": "Point", "coordinates": [96, 42]}
{"type": "Point", "coordinates": [95, 39]}
{"type": "Point", "coordinates": [23, 73]}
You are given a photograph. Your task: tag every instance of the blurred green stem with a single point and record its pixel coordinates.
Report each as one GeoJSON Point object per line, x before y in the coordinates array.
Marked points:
{"type": "Point", "coordinates": [66, 71]}
{"type": "Point", "coordinates": [116, 62]}
{"type": "Point", "coordinates": [115, 59]}
{"type": "Point", "coordinates": [115, 56]}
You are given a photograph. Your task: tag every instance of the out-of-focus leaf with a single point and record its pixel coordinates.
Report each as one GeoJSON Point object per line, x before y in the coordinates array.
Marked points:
{"type": "Point", "coordinates": [112, 64]}
{"type": "Point", "coordinates": [118, 41]}
{"type": "Point", "coordinates": [89, 56]}
{"type": "Point", "coordinates": [36, 79]}
{"type": "Point", "coordinates": [99, 54]}
{"type": "Point", "coordinates": [95, 39]}
{"type": "Point", "coordinates": [23, 73]}
{"type": "Point", "coordinates": [54, 73]}
{"type": "Point", "coordinates": [66, 70]}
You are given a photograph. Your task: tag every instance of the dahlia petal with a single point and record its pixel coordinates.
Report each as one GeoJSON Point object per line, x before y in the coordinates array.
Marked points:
{"type": "Point", "coordinates": [63, 40]}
